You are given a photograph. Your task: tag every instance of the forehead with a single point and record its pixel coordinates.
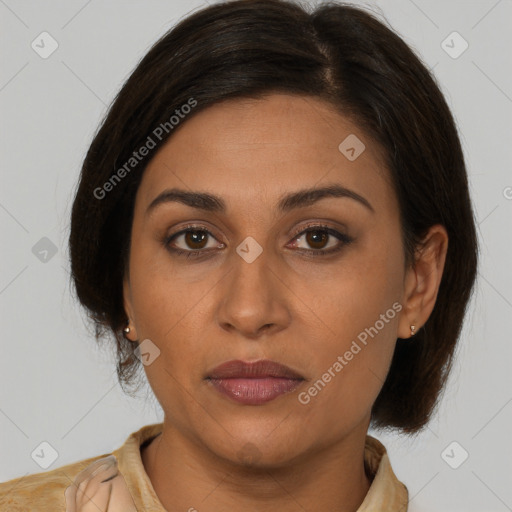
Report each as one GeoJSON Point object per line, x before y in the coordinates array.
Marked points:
{"type": "Point", "coordinates": [249, 150]}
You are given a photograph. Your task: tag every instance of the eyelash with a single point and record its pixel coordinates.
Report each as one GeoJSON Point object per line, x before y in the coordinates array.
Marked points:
{"type": "Point", "coordinates": [198, 253]}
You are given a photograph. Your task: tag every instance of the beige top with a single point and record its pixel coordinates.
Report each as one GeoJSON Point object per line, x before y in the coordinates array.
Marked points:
{"type": "Point", "coordinates": [118, 482]}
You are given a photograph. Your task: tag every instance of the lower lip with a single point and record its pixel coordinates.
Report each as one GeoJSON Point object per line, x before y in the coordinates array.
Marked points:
{"type": "Point", "coordinates": [255, 391]}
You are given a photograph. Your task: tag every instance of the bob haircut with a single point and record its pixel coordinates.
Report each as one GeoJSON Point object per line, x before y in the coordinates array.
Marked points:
{"type": "Point", "coordinates": [249, 49]}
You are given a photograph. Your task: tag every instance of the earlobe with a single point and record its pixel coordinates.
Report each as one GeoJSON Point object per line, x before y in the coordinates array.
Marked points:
{"type": "Point", "coordinates": [423, 280]}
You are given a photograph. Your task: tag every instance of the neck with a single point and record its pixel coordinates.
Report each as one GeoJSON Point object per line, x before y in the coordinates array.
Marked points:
{"type": "Point", "coordinates": [187, 476]}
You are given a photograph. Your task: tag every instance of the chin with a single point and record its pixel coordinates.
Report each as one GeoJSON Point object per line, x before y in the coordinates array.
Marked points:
{"type": "Point", "coordinates": [258, 451]}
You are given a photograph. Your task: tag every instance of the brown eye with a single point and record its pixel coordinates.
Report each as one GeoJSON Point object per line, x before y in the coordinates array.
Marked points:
{"type": "Point", "coordinates": [192, 241]}
{"type": "Point", "coordinates": [321, 240]}
{"type": "Point", "coordinates": [317, 238]}
{"type": "Point", "coordinates": [196, 239]}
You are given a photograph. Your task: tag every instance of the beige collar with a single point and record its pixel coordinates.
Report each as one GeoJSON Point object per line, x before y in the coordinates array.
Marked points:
{"type": "Point", "coordinates": [119, 482]}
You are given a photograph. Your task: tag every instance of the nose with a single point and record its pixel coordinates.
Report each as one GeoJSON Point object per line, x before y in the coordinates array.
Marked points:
{"type": "Point", "coordinates": [254, 299]}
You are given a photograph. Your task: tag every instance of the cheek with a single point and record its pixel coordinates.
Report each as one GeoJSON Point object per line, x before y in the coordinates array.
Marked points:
{"type": "Point", "coordinates": [364, 289]}
{"type": "Point", "coordinates": [169, 314]}
{"type": "Point", "coordinates": [170, 311]}
{"type": "Point", "coordinates": [160, 297]}
{"type": "Point", "coordinates": [351, 370]}
{"type": "Point", "coordinates": [360, 308]}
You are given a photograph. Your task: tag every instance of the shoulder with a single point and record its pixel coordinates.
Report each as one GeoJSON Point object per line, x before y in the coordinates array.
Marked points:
{"type": "Point", "coordinates": [44, 490]}
{"type": "Point", "coordinates": [70, 487]}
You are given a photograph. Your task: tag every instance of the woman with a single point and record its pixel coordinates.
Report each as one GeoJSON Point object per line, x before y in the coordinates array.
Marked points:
{"type": "Point", "coordinates": [274, 219]}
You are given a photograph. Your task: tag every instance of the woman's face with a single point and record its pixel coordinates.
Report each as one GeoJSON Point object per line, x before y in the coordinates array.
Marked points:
{"type": "Point", "coordinates": [245, 283]}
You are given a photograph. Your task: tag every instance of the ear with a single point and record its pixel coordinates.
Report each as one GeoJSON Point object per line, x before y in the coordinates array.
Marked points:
{"type": "Point", "coordinates": [128, 307]}
{"type": "Point", "coordinates": [422, 280]}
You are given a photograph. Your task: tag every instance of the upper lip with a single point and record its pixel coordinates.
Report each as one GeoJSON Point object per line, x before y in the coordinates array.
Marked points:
{"type": "Point", "coordinates": [256, 369]}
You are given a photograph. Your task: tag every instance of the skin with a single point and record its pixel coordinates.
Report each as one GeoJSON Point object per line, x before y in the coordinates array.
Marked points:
{"type": "Point", "coordinates": [302, 311]}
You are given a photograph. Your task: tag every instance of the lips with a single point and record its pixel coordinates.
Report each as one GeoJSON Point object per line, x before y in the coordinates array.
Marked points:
{"type": "Point", "coordinates": [254, 383]}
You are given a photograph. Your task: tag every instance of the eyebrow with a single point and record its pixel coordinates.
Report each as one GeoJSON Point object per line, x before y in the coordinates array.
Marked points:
{"type": "Point", "coordinates": [299, 199]}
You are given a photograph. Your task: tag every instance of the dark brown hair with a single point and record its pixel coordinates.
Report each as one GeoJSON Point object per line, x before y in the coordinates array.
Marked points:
{"type": "Point", "coordinates": [338, 53]}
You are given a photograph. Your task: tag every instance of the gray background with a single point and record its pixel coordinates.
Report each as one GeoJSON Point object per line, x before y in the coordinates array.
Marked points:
{"type": "Point", "coordinates": [58, 387]}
